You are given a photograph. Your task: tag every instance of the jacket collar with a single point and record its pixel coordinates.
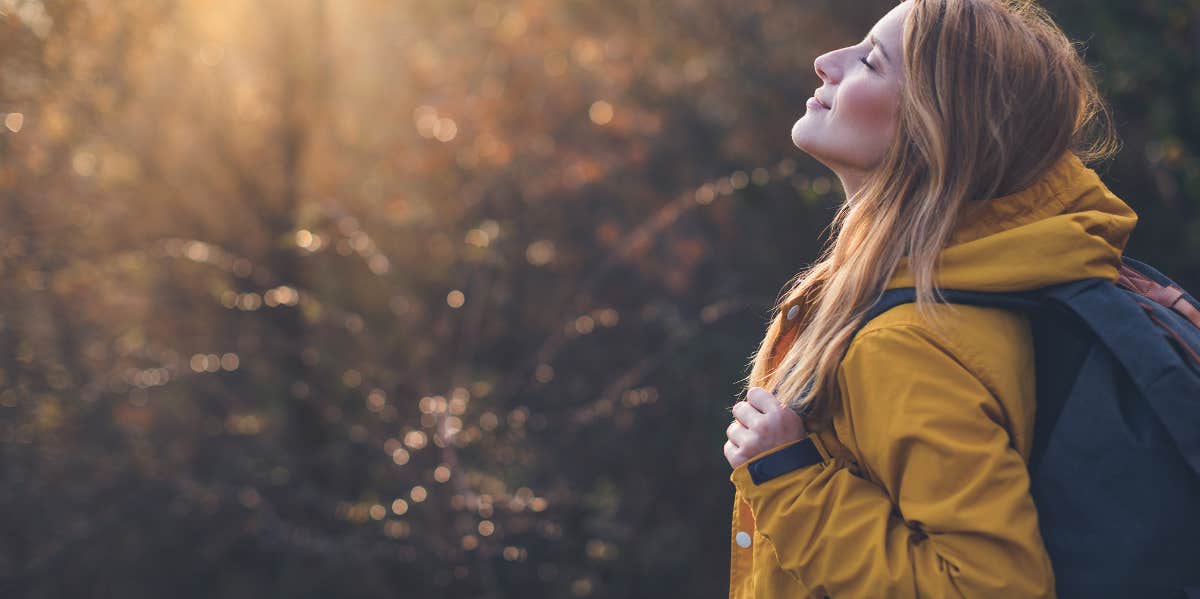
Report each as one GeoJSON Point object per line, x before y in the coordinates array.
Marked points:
{"type": "Point", "coordinates": [1067, 225]}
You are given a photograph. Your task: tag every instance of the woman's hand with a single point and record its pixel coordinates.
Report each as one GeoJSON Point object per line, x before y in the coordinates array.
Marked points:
{"type": "Point", "coordinates": [760, 423]}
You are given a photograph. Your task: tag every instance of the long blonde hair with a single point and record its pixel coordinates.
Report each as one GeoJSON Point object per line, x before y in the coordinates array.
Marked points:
{"type": "Point", "coordinates": [995, 94]}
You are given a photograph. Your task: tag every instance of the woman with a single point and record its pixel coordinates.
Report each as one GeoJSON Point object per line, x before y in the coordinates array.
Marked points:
{"type": "Point", "coordinates": [959, 129]}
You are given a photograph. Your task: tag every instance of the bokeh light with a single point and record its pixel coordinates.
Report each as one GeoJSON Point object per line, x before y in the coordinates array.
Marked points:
{"type": "Point", "coordinates": [448, 297]}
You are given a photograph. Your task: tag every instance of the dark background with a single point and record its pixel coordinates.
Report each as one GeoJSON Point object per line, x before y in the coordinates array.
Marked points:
{"type": "Point", "coordinates": [306, 298]}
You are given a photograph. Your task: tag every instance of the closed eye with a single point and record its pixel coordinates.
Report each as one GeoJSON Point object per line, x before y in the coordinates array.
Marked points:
{"type": "Point", "coordinates": [864, 61]}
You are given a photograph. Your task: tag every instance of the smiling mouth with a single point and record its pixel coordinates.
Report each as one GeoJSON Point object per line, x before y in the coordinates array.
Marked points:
{"type": "Point", "coordinates": [817, 97]}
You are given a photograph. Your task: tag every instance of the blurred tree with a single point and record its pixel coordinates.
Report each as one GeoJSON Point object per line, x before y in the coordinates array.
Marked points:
{"type": "Point", "coordinates": [310, 298]}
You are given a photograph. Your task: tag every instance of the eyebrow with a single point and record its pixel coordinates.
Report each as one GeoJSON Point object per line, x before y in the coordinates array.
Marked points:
{"type": "Point", "coordinates": [881, 50]}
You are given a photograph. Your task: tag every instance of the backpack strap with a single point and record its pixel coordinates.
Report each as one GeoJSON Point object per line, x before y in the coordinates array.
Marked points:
{"type": "Point", "coordinates": [1147, 281]}
{"type": "Point", "coordinates": [1025, 301]}
{"type": "Point", "coordinates": [1158, 372]}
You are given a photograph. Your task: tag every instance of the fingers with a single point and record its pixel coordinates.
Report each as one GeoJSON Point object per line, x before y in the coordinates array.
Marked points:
{"type": "Point", "coordinates": [747, 414]}
{"type": "Point", "coordinates": [731, 454]}
{"type": "Point", "coordinates": [732, 428]}
{"type": "Point", "coordinates": [739, 435]}
{"type": "Point", "coordinates": [794, 420]}
{"type": "Point", "coordinates": [757, 409]}
{"type": "Point", "coordinates": [762, 400]}
{"type": "Point", "coordinates": [760, 422]}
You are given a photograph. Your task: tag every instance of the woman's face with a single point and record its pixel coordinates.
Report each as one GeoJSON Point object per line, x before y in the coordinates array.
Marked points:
{"type": "Point", "coordinates": [851, 119]}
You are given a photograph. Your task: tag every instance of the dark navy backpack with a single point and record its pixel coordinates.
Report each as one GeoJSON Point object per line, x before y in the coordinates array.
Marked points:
{"type": "Point", "coordinates": [1115, 466]}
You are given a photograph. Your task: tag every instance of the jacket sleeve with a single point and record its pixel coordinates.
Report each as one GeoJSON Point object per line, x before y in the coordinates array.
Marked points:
{"type": "Point", "coordinates": [953, 517]}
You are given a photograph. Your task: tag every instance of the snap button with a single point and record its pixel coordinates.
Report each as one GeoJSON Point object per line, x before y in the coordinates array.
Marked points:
{"type": "Point", "coordinates": [743, 539]}
{"type": "Point", "coordinates": [792, 312]}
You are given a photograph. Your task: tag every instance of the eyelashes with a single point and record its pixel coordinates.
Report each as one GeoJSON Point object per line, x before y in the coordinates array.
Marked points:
{"type": "Point", "coordinates": [864, 61]}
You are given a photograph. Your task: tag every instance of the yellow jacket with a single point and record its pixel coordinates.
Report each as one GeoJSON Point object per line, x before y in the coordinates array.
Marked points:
{"type": "Point", "coordinates": [923, 491]}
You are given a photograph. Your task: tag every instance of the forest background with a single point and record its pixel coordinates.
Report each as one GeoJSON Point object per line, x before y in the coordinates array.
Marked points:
{"type": "Point", "coordinates": [314, 298]}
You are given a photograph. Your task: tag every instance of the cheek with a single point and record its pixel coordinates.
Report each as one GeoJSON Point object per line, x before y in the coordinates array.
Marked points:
{"type": "Point", "coordinates": [867, 106]}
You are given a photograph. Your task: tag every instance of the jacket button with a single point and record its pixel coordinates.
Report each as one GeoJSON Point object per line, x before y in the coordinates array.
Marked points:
{"type": "Point", "coordinates": [792, 312]}
{"type": "Point", "coordinates": [743, 539]}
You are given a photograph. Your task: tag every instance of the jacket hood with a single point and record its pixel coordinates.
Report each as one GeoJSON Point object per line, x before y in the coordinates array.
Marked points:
{"type": "Point", "coordinates": [1065, 226]}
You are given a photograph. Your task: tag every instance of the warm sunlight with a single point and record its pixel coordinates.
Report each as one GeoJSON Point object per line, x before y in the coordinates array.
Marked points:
{"type": "Point", "coordinates": [449, 298]}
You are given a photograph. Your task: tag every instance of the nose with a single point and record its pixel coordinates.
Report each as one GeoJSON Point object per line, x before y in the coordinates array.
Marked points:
{"type": "Point", "coordinates": [824, 66]}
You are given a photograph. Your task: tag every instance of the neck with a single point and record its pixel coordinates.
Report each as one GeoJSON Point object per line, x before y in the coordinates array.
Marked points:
{"type": "Point", "coordinates": [851, 182]}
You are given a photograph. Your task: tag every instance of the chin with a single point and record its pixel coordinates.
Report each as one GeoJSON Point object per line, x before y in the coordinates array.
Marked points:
{"type": "Point", "coordinates": [801, 137]}
{"type": "Point", "coordinates": [809, 146]}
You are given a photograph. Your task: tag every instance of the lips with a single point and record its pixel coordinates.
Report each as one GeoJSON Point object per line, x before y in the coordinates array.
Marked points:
{"type": "Point", "coordinates": [822, 102]}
